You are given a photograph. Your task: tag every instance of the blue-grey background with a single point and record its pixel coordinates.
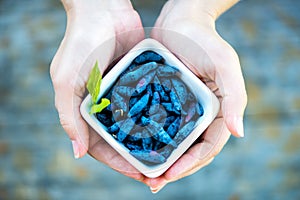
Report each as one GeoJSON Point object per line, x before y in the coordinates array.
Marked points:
{"type": "Point", "coordinates": [36, 159]}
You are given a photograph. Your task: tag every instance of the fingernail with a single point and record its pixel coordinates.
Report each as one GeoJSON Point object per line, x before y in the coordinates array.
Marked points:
{"type": "Point", "coordinates": [155, 190]}
{"type": "Point", "coordinates": [75, 148]}
{"type": "Point", "coordinates": [240, 126]}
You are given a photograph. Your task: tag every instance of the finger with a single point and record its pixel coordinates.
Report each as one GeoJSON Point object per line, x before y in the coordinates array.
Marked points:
{"type": "Point", "coordinates": [201, 153]}
{"type": "Point", "coordinates": [67, 104]}
{"type": "Point", "coordinates": [103, 152]}
{"type": "Point", "coordinates": [126, 39]}
{"type": "Point", "coordinates": [157, 189]}
{"type": "Point", "coordinates": [229, 79]}
{"type": "Point", "coordinates": [209, 56]}
{"type": "Point", "coordinates": [163, 181]}
{"type": "Point", "coordinates": [156, 184]}
{"type": "Point", "coordinates": [194, 170]}
{"type": "Point", "coordinates": [69, 74]}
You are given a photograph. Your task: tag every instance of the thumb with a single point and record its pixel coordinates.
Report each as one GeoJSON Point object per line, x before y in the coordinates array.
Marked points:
{"type": "Point", "coordinates": [209, 56]}
{"type": "Point", "coordinates": [67, 102]}
{"type": "Point", "coordinates": [230, 81]}
{"type": "Point", "coordinates": [69, 77]}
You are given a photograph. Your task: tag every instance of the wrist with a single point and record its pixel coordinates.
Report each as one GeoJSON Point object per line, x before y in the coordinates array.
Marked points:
{"type": "Point", "coordinates": [188, 12]}
{"type": "Point", "coordinates": [217, 7]}
{"type": "Point", "coordinates": [213, 8]}
{"type": "Point", "coordinates": [89, 6]}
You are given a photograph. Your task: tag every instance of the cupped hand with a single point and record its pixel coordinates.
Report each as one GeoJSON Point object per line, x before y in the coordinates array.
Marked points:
{"type": "Point", "coordinates": [96, 30]}
{"type": "Point", "coordinates": [188, 30]}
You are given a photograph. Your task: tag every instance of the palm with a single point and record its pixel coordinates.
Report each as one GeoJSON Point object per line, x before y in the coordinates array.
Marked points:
{"type": "Point", "coordinates": [89, 37]}
{"type": "Point", "coordinates": [98, 148]}
{"type": "Point", "coordinates": [217, 65]}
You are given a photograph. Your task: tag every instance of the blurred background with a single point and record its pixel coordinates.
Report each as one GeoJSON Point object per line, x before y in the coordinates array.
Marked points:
{"type": "Point", "coordinates": [36, 159]}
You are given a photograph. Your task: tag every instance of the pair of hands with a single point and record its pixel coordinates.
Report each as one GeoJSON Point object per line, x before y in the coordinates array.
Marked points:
{"type": "Point", "coordinates": [111, 28]}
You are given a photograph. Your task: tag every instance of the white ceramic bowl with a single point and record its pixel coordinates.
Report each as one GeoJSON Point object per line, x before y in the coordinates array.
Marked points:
{"type": "Point", "coordinates": [207, 99]}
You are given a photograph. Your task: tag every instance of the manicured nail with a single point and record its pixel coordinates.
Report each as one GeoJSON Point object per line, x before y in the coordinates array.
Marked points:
{"type": "Point", "coordinates": [75, 148]}
{"type": "Point", "coordinates": [240, 126]}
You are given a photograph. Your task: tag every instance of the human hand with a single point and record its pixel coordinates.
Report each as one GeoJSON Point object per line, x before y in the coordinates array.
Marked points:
{"type": "Point", "coordinates": [187, 28]}
{"type": "Point", "coordinates": [96, 30]}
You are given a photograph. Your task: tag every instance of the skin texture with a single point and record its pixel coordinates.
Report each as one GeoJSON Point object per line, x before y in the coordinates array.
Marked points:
{"type": "Point", "coordinates": [111, 28]}
{"type": "Point", "coordinates": [92, 25]}
{"type": "Point", "coordinates": [214, 61]}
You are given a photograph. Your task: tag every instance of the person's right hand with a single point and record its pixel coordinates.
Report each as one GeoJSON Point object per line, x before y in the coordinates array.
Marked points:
{"type": "Point", "coordinates": [96, 30]}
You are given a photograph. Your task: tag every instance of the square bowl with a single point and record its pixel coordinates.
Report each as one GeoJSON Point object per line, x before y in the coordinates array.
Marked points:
{"type": "Point", "coordinates": [204, 96]}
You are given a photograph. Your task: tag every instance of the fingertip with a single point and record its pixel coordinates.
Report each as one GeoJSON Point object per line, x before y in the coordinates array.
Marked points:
{"type": "Point", "coordinates": [235, 125]}
{"type": "Point", "coordinates": [233, 108]}
{"type": "Point", "coordinates": [156, 190]}
{"type": "Point", "coordinates": [157, 186]}
{"type": "Point", "coordinates": [75, 146]}
{"type": "Point", "coordinates": [79, 150]}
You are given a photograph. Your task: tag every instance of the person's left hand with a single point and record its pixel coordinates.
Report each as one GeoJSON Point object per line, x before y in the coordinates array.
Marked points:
{"type": "Point", "coordinates": [190, 34]}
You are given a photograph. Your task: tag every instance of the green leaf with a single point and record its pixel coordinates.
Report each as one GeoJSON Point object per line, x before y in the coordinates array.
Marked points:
{"type": "Point", "coordinates": [93, 86]}
{"type": "Point", "coordinates": [94, 82]}
{"type": "Point", "coordinates": [99, 107]}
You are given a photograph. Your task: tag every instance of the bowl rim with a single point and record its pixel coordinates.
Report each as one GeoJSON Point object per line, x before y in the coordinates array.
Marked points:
{"type": "Point", "coordinates": [207, 99]}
